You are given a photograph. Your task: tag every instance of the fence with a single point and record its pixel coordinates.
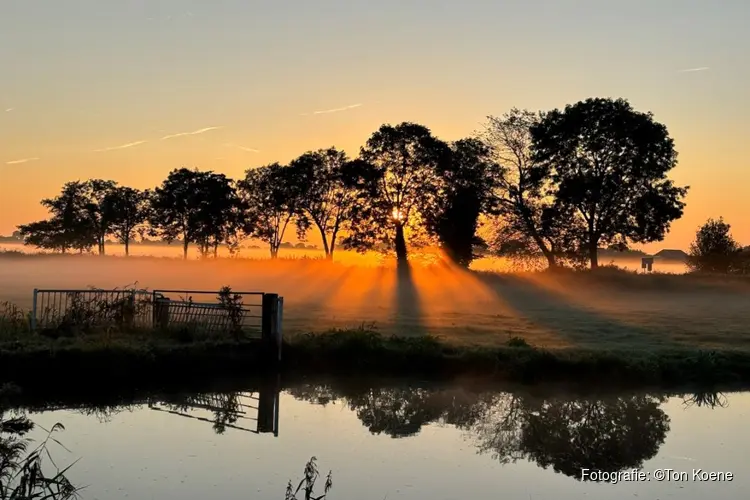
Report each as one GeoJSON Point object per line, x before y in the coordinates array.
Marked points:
{"type": "Point", "coordinates": [251, 314]}
{"type": "Point", "coordinates": [231, 311]}
{"type": "Point", "coordinates": [54, 308]}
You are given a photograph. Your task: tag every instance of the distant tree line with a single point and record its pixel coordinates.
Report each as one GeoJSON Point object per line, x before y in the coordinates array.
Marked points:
{"type": "Point", "coordinates": [557, 184]}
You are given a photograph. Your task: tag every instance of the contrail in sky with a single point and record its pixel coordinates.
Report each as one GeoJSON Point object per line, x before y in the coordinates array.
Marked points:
{"type": "Point", "coordinates": [694, 70]}
{"type": "Point", "coordinates": [335, 110]}
{"type": "Point", "coordinates": [16, 162]}
{"type": "Point", "coordinates": [196, 132]}
{"type": "Point", "coordinates": [243, 148]}
{"type": "Point", "coordinates": [124, 146]}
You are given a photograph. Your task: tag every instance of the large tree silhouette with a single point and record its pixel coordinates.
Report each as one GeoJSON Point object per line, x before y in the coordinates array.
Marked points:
{"type": "Point", "coordinates": [529, 222]}
{"type": "Point", "coordinates": [464, 192]}
{"type": "Point", "coordinates": [271, 197]}
{"type": "Point", "coordinates": [326, 200]}
{"type": "Point", "coordinates": [126, 209]}
{"type": "Point", "coordinates": [403, 161]}
{"type": "Point", "coordinates": [70, 225]}
{"type": "Point", "coordinates": [194, 206]}
{"type": "Point", "coordinates": [610, 164]}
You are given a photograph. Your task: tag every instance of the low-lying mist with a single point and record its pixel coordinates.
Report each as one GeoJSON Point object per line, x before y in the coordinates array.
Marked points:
{"type": "Point", "coordinates": [553, 310]}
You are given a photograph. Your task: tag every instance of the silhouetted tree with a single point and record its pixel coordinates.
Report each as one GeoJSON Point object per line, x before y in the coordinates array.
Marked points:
{"type": "Point", "coordinates": [398, 165]}
{"type": "Point", "coordinates": [95, 192]}
{"type": "Point", "coordinates": [189, 205]}
{"type": "Point", "coordinates": [714, 249]}
{"type": "Point", "coordinates": [465, 191]}
{"type": "Point", "coordinates": [70, 225]}
{"type": "Point", "coordinates": [219, 216]}
{"type": "Point", "coordinates": [529, 221]}
{"type": "Point", "coordinates": [325, 197]}
{"type": "Point", "coordinates": [610, 164]}
{"type": "Point", "coordinates": [126, 210]}
{"type": "Point", "coordinates": [46, 234]}
{"type": "Point", "coordinates": [271, 199]}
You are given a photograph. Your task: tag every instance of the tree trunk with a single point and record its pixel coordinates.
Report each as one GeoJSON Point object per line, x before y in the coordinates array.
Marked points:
{"type": "Point", "coordinates": [127, 247]}
{"type": "Point", "coordinates": [274, 251]}
{"type": "Point", "coordinates": [185, 244]}
{"type": "Point", "coordinates": [216, 250]}
{"type": "Point", "coordinates": [401, 253]}
{"type": "Point", "coordinates": [551, 259]}
{"type": "Point", "coordinates": [333, 242]}
{"type": "Point", "coordinates": [594, 252]}
{"type": "Point", "coordinates": [325, 247]}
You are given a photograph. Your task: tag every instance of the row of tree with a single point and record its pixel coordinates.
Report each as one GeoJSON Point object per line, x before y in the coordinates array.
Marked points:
{"type": "Point", "coordinates": [557, 184]}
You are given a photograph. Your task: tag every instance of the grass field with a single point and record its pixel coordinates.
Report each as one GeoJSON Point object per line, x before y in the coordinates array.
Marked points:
{"type": "Point", "coordinates": [610, 309]}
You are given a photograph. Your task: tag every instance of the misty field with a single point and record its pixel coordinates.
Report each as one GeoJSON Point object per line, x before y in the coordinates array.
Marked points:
{"type": "Point", "coordinates": [609, 309]}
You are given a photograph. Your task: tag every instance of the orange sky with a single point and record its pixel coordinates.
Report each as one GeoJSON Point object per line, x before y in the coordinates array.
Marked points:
{"type": "Point", "coordinates": [90, 77]}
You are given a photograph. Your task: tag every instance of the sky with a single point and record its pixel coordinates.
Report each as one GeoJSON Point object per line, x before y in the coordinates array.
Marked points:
{"type": "Point", "coordinates": [132, 89]}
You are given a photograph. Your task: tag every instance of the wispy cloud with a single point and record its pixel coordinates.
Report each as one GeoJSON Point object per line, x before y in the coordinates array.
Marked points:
{"type": "Point", "coordinates": [24, 160]}
{"type": "Point", "coordinates": [335, 110]}
{"type": "Point", "coordinates": [243, 148]}
{"type": "Point", "coordinates": [124, 146]}
{"type": "Point", "coordinates": [195, 132]}
{"type": "Point", "coordinates": [694, 70]}
{"type": "Point", "coordinates": [9, 110]}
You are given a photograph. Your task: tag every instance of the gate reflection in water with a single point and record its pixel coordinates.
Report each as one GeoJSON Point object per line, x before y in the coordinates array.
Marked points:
{"type": "Point", "coordinates": [256, 412]}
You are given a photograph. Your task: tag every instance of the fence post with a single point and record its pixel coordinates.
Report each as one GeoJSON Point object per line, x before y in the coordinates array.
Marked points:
{"type": "Point", "coordinates": [161, 312]}
{"type": "Point", "coordinates": [279, 323]}
{"type": "Point", "coordinates": [33, 310]}
{"type": "Point", "coordinates": [268, 405]}
{"type": "Point", "coordinates": [269, 324]}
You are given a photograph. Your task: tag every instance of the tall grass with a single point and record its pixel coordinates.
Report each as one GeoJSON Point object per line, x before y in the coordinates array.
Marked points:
{"type": "Point", "coordinates": [23, 470]}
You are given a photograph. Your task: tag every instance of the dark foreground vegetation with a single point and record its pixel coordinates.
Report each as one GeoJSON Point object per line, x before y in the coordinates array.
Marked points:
{"type": "Point", "coordinates": [131, 359]}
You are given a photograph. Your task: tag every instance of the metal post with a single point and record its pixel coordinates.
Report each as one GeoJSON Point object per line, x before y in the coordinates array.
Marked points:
{"type": "Point", "coordinates": [33, 310]}
{"type": "Point", "coordinates": [279, 318]}
{"type": "Point", "coordinates": [269, 323]}
{"type": "Point", "coordinates": [268, 404]}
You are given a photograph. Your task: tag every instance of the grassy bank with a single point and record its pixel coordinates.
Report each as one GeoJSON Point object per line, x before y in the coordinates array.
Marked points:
{"type": "Point", "coordinates": [135, 360]}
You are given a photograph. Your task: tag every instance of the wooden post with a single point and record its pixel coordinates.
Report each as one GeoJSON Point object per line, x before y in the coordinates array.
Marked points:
{"type": "Point", "coordinates": [270, 325]}
{"type": "Point", "coordinates": [161, 312]}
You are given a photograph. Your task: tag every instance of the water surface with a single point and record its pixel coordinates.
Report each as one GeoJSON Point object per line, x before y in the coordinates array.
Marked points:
{"type": "Point", "coordinates": [399, 442]}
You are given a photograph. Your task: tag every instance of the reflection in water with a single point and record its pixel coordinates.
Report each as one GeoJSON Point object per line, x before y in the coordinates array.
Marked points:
{"type": "Point", "coordinates": [260, 410]}
{"type": "Point", "coordinates": [609, 433]}
{"type": "Point", "coordinates": [228, 409]}
{"type": "Point", "coordinates": [23, 476]}
{"type": "Point", "coordinates": [561, 432]}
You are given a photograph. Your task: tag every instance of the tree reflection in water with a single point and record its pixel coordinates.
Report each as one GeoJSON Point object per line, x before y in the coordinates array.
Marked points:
{"type": "Point", "coordinates": [609, 433]}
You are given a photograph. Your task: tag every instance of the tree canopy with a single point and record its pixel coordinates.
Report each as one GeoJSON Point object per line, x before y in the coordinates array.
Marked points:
{"type": "Point", "coordinates": [554, 185]}
{"type": "Point", "coordinates": [610, 165]}
{"type": "Point", "coordinates": [714, 250]}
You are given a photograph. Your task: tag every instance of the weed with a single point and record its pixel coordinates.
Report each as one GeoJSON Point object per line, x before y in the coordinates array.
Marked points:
{"type": "Point", "coordinates": [517, 342]}
{"type": "Point", "coordinates": [307, 484]}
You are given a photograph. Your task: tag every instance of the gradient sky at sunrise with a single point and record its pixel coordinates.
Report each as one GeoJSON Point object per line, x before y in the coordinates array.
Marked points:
{"type": "Point", "coordinates": [92, 88]}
